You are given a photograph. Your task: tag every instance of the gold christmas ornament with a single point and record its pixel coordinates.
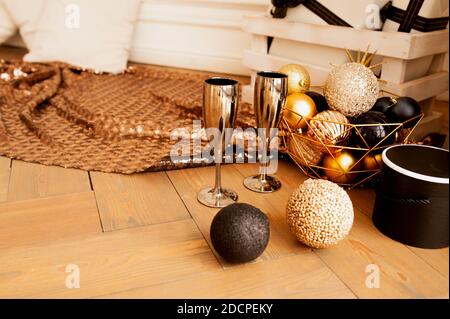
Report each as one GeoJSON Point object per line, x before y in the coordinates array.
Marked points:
{"type": "Point", "coordinates": [352, 89]}
{"type": "Point", "coordinates": [338, 167]}
{"type": "Point", "coordinates": [304, 151]}
{"type": "Point", "coordinates": [319, 213]}
{"type": "Point", "coordinates": [299, 80]}
{"type": "Point", "coordinates": [372, 162]}
{"type": "Point", "coordinates": [299, 109]}
{"type": "Point", "coordinates": [330, 128]}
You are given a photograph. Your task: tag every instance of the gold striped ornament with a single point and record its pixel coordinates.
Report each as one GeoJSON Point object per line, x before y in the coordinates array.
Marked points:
{"type": "Point", "coordinates": [304, 151]}
{"type": "Point", "coordinates": [329, 128]}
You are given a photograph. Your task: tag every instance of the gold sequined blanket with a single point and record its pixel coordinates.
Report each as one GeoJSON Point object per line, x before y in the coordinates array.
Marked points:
{"type": "Point", "coordinates": [55, 114]}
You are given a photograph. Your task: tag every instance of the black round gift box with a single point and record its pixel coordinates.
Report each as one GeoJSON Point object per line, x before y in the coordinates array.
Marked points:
{"type": "Point", "coordinates": [411, 205]}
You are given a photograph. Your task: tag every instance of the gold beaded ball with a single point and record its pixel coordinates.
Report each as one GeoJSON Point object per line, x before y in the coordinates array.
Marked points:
{"type": "Point", "coordinates": [351, 89]}
{"type": "Point", "coordinates": [319, 213]}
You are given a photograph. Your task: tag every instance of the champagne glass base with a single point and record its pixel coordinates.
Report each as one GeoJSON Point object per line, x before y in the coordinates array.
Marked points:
{"type": "Point", "coordinates": [208, 197]}
{"type": "Point", "coordinates": [269, 185]}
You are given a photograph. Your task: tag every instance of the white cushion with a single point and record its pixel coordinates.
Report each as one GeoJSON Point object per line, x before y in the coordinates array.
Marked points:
{"type": "Point", "coordinates": [89, 34]}
{"type": "Point", "coordinates": [26, 15]}
{"type": "Point", "coordinates": [7, 26]}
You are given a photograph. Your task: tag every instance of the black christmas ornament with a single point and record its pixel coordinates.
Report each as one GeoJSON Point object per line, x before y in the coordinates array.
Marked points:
{"type": "Point", "coordinates": [319, 100]}
{"type": "Point", "coordinates": [240, 232]}
{"type": "Point", "coordinates": [373, 134]}
{"type": "Point", "coordinates": [405, 109]}
{"type": "Point", "coordinates": [383, 104]}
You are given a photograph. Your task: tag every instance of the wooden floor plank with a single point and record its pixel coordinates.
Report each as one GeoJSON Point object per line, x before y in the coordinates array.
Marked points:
{"type": "Point", "coordinates": [108, 262]}
{"type": "Point", "coordinates": [136, 200]}
{"type": "Point", "coordinates": [5, 170]}
{"type": "Point", "coordinates": [289, 277]}
{"type": "Point", "coordinates": [437, 258]}
{"type": "Point", "coordinates": [364, 200]}
{"type": "Point", "coordinates": [189, 181]}
{"type": "Point", "coordinates": [290, 179]}
{"type": "Point", "coordinates": [29, 180]}
{"type": "Point", "coordinates": [47, 219]}
{"type": "Point", "coordinates": [402, 273]}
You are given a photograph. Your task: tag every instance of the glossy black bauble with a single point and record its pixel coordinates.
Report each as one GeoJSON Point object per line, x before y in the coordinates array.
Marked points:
{"type": "Point", "coordinates": [373, 134]}
{"type": "Point", "coordinates": [405, 109]}
{"type": "Point", "coordinates": [319, 100]}
{"type": "Point", "coordinates": [383, 104]}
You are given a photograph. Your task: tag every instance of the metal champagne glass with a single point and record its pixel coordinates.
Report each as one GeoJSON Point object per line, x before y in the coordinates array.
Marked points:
{"type": "Point", "coordinates": [220, 106]}
{"type": "Point", "coordinates": [270, 94]}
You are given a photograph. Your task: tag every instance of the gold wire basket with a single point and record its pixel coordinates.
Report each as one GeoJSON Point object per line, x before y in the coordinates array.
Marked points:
{"type": "Point", "coordinates": [308, 152]}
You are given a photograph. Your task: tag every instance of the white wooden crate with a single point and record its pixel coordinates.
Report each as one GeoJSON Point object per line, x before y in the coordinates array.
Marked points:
{"type": "Point", "coordinates": [401, 53]}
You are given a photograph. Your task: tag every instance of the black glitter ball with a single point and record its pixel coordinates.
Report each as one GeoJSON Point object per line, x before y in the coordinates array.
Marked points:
{"type": "Point", "coordinates": [240, 232]}
{"type": "Point", "coordinates": [319, 100]}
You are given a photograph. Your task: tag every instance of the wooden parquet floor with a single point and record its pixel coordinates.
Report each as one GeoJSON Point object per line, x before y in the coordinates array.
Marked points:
{"type": "Point", "coordinates": [146, 236]}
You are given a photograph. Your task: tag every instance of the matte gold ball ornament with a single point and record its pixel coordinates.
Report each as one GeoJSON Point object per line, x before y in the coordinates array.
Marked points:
{"type": "Point", "coordinates": [339, 167]}
{"type": "Point", "coordinates": [299, 80]}
{"type": "Point", "coordinates": [319, 213]}
{"type": "Point", "coordinates": [299, 109]}
{"type": "Point", "coordinates": [351, 89]}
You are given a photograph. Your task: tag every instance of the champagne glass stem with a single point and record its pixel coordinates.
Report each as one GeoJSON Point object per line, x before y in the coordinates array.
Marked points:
{"type": "Point", "coordinates": [218, 183]}
{"type": "Point", "coordinates": [264, 162]}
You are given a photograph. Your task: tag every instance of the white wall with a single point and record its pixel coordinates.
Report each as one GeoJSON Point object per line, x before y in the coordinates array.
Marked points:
{"type": "Point", "coordinates": [197, 34]}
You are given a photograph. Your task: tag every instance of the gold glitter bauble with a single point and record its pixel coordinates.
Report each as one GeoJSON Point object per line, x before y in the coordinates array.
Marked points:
{"type": "Point", "coordinates": [330, 128]}
{"type": "Point", "coordinates": [338, 167]}
{"type": "Point", "coordinates": [304, 152]}
{"type": "Point", "coordinates": [351, 89]}
{"type": "Point", "coordinates": [299, 80]}
{"type": "Point", "coordinates": [319, 213]}
{"type": "Point", "coordinates": [299, 109]}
